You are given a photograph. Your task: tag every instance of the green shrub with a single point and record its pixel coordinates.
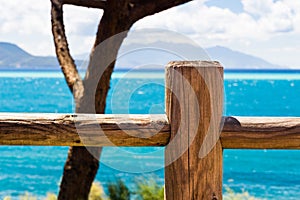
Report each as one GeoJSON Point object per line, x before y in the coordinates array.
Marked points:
{"type": "Point", "coordinates": [149, 190]}
{"type": "Point", "coordinates": [118, 191]}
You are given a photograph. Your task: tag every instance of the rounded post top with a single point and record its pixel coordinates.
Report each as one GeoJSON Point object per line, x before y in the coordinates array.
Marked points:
{"type": "Point", "coordinates": [196, 63]}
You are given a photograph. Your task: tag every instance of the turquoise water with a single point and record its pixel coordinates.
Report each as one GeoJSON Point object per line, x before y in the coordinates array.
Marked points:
{"type": "Point", "coordinates": [269, 174]}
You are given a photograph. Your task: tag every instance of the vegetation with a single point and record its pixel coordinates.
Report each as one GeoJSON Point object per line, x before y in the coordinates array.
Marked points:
{"type": "Point", "coordinates": [118, 191]}
{"type": "Point", "coordinates": [146, 189]}
{"type": "Point", "coordinates": [231, 195]}
{"type": "Point", "coordinates": [149, 190]}
{"type": "Point", "coordinates": [51, 196]}
{"type": "Point", "coordinates": [96, 192]}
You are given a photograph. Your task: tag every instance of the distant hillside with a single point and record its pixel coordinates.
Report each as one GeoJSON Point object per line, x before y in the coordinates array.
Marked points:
{"type": "Point", "coordinates": [13, 57]}
{"type": "Point", "coordinates": [236, 60]}
{"type": "Point", "coordinates": [164, 52]}
{"type": "Point", "coordinates": [9, 53]}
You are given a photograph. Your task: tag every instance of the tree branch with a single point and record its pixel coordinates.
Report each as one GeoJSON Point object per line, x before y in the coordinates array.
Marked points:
{"type": "Point", "coordinates": [112, 29]}
{"type": "Point", "coordinates": [144, 8]}
{"type": "Point", "coordinates": [66, 61]}
{"type": "Point", "coordinates": [87, 3]}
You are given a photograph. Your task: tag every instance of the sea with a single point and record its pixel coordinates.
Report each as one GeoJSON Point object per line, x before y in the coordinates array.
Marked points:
{"type": "Point", "coordinates": [37, 170]}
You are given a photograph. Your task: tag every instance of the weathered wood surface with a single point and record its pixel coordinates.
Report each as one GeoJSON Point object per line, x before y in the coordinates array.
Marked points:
{"type": "Point", "coordinates": [79, 130]}
{"type": "Point", "coordinates": [261, 133]}
{"type": "Point", "coordinates": [60, 130]}
{"type": "Point", "coordinates": [192, 91]}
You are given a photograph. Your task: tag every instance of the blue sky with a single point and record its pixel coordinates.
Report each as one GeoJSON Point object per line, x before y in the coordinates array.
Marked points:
{"type": "Point", "coordinates": [266, 28]}
{"type": "Point", "coordinates": [233, 5]}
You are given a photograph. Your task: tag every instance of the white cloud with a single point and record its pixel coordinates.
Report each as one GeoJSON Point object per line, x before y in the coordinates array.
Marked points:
{"type": "Point", "coordinates": [27, 23]}
{"type": "Point", "coordinates": [208, 23]}
{"type": "Point", "coordinates": [294, 7]}
{"type": "Point", "coordinates": [81, 27]}
{"type": "Point", "coordinates": [272, 16]}
{"type": "Point", "coordinates": [261, 25]}
{"type": "Point", "coordinates": [218, 23]}
{"type": "Point", "coordinates": [257, 7]}
{"type": "Point", "coordinates": [81, 21]}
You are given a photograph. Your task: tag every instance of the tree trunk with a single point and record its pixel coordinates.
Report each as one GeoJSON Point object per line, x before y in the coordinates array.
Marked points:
{"type": "Point", "coordinates": [82, 163]}
{"type": "Point", "coordinates": [90, 94]}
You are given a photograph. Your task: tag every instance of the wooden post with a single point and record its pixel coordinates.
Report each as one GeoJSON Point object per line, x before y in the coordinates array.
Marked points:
{"type": "Point", "coordinates": [194, 101]}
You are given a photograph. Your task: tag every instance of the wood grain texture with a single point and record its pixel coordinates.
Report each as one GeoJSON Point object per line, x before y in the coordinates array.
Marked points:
{"type": "Point", "coordinates": [189, 99]}
{"type": "Point", "coordinates": [64, 130]}
{"type": "Point", "coordinates": [60, 130]}
{"type": "Point", "coordinates": [261, 133]}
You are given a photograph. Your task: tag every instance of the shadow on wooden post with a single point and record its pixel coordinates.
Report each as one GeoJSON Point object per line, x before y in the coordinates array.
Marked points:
{"type": "Point", "coordinates": [193, 158]}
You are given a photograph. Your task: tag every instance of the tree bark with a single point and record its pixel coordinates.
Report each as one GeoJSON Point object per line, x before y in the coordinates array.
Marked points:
{"type": "Point", "coordinates": [82, 163]}
{"type": "Point", "coordinates": [89, 4]}
{"type": "Point", "coordinates": [65, 59]}
{"type": "Point", "coordinates": [81, 167]}
{"type": "Point", "coordinates": [90, 94]}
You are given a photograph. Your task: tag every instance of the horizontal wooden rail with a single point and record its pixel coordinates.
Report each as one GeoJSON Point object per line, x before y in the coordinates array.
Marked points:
{"type": "Point", "coordinates": [83, 130]}
{"type": "Point", "coordinates": [261, 133]}
{"type": "Point", "coordinates": [140, 130]}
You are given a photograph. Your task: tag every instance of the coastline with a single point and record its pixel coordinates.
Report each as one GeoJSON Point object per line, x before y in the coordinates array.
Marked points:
{"type": "Point", "coordinates": [246, 74]}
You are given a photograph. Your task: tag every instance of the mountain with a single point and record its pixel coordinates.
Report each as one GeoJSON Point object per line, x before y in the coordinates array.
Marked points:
{"type": "Point", "coordinates": [159, 54]}
{"type": "Point", "coordinates": [13, 57]}
{"type": "Point", "coordinates": [236, 60]}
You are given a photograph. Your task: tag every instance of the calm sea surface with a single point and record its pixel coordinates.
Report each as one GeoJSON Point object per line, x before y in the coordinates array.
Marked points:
{"type": "Point", "coordinates": [268, 174]}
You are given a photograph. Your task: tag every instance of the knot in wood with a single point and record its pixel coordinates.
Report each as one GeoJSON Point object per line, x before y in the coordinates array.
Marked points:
{"type": "Point", "coordinates": [214, 197]}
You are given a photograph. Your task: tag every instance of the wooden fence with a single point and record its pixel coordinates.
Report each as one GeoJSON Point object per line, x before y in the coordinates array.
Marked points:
{"type": "Point", "coordinates": [193, 104]}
